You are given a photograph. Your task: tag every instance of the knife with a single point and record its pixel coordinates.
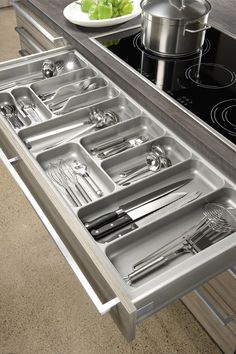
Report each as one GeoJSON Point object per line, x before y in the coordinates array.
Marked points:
{"type": "Point", "coordinates": [157, 214]}
{"type": "Point", "coordinates": [124, 209]}
{"type": "Point", "coordinates": [135, 214]}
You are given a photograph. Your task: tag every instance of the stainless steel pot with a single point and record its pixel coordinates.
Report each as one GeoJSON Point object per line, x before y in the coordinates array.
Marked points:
{"type": "Point", "coordinates": [174, 27]}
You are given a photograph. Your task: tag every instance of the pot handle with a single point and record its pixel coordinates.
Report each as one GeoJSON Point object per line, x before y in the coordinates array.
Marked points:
{"type": "Point", "coordinates": [206, 27]}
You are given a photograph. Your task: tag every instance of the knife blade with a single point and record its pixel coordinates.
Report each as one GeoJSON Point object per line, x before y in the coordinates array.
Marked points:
{"type": "Point", "coordinates": [135, 214]}
{"type": "Point", "coordinates": [157, 214]}
{"type": "Point", "coordinates": [157, 194]}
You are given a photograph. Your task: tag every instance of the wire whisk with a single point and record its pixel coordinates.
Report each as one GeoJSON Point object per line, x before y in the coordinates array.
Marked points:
{"type": "Point", "coordinates": [59, 178]}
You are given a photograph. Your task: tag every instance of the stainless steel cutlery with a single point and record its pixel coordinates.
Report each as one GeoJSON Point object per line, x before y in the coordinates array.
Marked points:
{"type": "Point", "coordinates": [217, 223]}
{"type": "Point", "coordinates": [9, 112]}
{"type": "Point", "coordinates": [66, 174]}
{"type": "Point", "coordinates": [28, 108]}
{"type": "Point", "coordinates": [122, 146]}
{"type": "Point", "coordinates": [97, 120]}
{"type": "Point", "coordinates": [155, 160]}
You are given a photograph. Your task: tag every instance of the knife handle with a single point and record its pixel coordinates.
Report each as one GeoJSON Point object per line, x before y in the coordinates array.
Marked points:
{"type": "Point", "coordinates": [111, 227]}
{"type": "Point", "coordinates": [101, 220]}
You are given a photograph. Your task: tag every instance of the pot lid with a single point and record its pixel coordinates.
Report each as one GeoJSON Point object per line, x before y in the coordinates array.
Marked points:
{"type": "Point", "coordinates": [176, 9]}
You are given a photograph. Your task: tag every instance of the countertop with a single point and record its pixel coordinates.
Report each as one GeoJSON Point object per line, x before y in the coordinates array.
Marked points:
{"type": "Point", "coordinates": [182, 122]}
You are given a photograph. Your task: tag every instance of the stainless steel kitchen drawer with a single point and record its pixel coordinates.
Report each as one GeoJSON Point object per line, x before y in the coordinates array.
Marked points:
{"type": "Point", "coordinates": [51, 136]}
{"type": "Point", "coordinates": [35, 36]}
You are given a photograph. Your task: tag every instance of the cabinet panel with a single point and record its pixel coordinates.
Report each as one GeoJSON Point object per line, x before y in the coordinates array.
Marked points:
{"type": "Point", "coordinates": [223, 335]}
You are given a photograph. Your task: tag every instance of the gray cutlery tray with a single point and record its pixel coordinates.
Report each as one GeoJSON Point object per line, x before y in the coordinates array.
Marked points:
{"type": "Point", "coordinates": [59, 83]}
{"type": "Point", "coordinates": [8, 99]}
{"type": "Point", "coordinates": [120, 105]}
{"type": "Point", "coordinates": [135, 157]}
{"type": "Point", "coordinates": [141, 125]}
{"type": "Point", "coordinates": [203, 180]}
{"type": "Point", "coordinates": [126, 251]}
{"type": "Point", "coordinates": [69, 92]}
{"type": "Point", "coordinates": [157, 228]}
{"type": "Point", "coordinates": [24, 94]}
{"type": "Point", "coordinates": [71, 152]}
{"type": "Point", "coordinates": [32, 68]}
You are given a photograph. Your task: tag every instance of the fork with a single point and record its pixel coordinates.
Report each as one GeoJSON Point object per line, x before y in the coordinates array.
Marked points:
{"type": "Point", "coordinates": [218, 222]}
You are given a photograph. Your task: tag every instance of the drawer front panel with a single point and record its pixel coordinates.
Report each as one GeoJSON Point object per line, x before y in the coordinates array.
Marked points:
{"type": "Point", "coordinates": [225, 285]}
{"type": "Point", "coordinates": [223, 334]}
{"type": "Point", "coordinates": [40, 32]}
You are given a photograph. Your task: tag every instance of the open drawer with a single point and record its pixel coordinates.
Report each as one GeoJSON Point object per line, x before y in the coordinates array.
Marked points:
{"type": "Point", "coordinates": [72, 138]}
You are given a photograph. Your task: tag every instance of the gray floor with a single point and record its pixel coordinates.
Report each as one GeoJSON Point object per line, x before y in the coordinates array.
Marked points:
{"type": "Point", "coordinates": [43, 309]}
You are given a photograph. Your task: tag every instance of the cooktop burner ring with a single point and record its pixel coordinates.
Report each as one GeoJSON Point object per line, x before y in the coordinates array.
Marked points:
{"type": "Point", "coordinates": [225, 76]}
{"type": "Point", "coordinates": [203, 51]}
{"type": "Point", "coordinates": [221, 115]}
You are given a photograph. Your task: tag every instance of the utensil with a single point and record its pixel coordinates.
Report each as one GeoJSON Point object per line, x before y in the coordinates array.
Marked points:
{"type": "Point", "coordinates": [81, 170]}
{"type": "Point", "coordinates": [67, 169]}
{"type": "Point", "coordinates": [153, 163]}
{"type": "Point", "coordinates": [48, 70]}
{"type": "Point", "coordinates": [61, 179]}
{"type": "Point", "coordinates": [107, 144]}
{"type": "Point", "coordinates": [158, 150]}
{"type": "Point", "coordinates": [135, 214]}
{"type": "Point", "coordinates": [158, 214]}
{"type": "Point", "coordinates": [217, 223]}
{"type": "Point", "coordinates": [28, 108]}
{"type": "Point", "coordinates": [84, 87]}
{"type": "Point", "coordinates": [10, 113]}
{"type": "Point", "coordinates": [123, 146]}
{"type": "Point", "coordinates": [72, 88]}
{"type": "Point", "coordinates": [138, 202]}
{"type": "Point", "coordinates": [174, 31]}
{"type": "Point", "coordinates": [97, 119]}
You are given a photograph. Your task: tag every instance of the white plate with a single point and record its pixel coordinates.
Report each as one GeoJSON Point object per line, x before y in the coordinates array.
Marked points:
{"type": "Point", "coordinates": [73, 13]}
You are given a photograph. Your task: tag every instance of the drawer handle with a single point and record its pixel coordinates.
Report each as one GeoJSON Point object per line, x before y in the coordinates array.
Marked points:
{"type": "Point", "coordinates": [102, 308]}
{"type": "Point", "coordinates": [41, 29]}
{"type": "Point", "coordinates": [223, 320]}
{"type": "Point", "coordinates": [28, 39]}
{"type": "Point", "coordinates": [232, 271]}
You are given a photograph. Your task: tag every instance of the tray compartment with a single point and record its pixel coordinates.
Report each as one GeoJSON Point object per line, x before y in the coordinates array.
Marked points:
{"type": "Point", "coordinates": [7, 99]}
{"type": "Point", "coordinates": [58, 83]}
{"type": "Point", "coordinates": [66, 94]}
{"type": "Point", "coordinates": [28, 72]}
{"type": "Point", "coordinates": [139, 126]}
{"type": "Point", "coordinates": [39, 137]}
{"type": "Point", "coordinates": [73, 152]}
{"type": "Point", "coordinates": [30, 106]}
{"type": "Point", "coordinates": [137, 157]}
{"type": "Point", "coordinates": [127, 251]}
{"type": "Point", "coordinates": [88, 99]}
{"type": "Point", "coordinates": [193, 169]}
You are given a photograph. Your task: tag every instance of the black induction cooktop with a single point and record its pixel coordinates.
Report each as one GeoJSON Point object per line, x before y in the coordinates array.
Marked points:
{"type": "Point", "coordinates": [205, 82]}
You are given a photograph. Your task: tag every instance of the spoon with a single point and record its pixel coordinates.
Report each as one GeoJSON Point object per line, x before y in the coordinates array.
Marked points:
{"type": "Point", "coordinates": [123, 146]}
{"type": "Point", "coordinates": [159, 151]}
{"type": "Point", "coordinates": [99, 119]}
{"type": "Point", "coordinates": [48, 69]}
{"type": "Point", "coordinates": [81, 169]}
{"type": "Point", "coordinates": [153, 164]}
